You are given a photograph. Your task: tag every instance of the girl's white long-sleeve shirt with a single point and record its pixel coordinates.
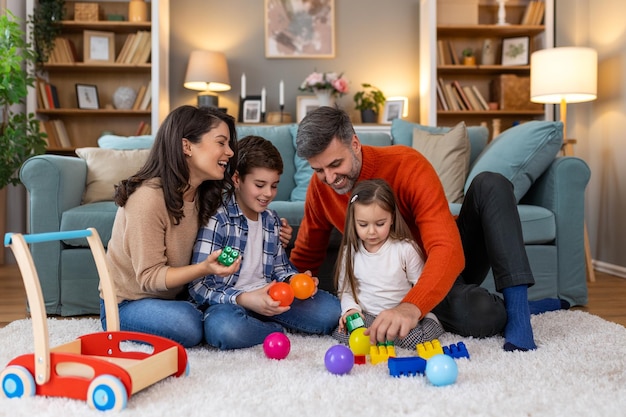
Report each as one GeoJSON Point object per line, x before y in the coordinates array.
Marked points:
{"type": "Point", "coordinates": [383, 278]}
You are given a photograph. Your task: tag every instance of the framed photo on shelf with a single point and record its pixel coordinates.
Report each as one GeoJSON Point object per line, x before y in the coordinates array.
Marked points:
{"type": "Point", "coordinates": [98, 46]}
{"type": "Point", "coordinates": [515, 51]}
{"type": "Point", "coordinates": [393, 110]}
{"type": "Point", "coordinates": [306, 104]}
{"type": "Point", "coordinates": [87, 96]}
{"type": "Point", "coordinates": [296, 31]}
{"type": "Point", "coordinates": [251, 110]}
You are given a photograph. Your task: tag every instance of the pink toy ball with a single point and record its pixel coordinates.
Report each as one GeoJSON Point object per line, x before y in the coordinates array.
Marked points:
{"type": "Point", "coordinates": [339, 360]}
{"type": "Point", "coordinates": [276, 346]}
{"type": "Point", "coordinates": [441, 370]}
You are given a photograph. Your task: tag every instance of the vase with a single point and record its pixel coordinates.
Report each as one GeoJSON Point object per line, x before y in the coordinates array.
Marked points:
{"type": "Point", "coordinates": [137, 11]}
{"type": "Point", "coordinates": [325, 98]}
{"type": "Point", "coordinates": [369, 116]}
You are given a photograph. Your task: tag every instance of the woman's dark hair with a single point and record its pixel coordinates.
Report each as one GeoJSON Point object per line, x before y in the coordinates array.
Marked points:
{"type": "Point", "coordinates": [167, 162]}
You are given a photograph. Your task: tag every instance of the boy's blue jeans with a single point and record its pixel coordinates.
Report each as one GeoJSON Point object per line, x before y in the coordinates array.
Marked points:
{"type": "Point", "coordinates": [230, 326]}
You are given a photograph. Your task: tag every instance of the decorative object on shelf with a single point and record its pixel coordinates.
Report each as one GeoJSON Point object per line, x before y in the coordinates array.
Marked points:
{"type": "Point", "coordinates": [19, 131]}
{"type": "Point", "coordinates": [327, 86]}
{"type": "Point", "coordinates": [304, 105]}
{"type": "Point", "coordinates": [368, 101]}
{"type": "Point", "coordinates": [275, 118]}
{"type": "Point", "coordinates": [137, 11]}
{"type": "Point", "coordinates": [469, 58]}
{"type": "Point", "coordinates": [488, 55]}
{"type": "Point", "coordinates": [395, 108]}
{"type": "Point", "coordinates": [207, 71]}
{"type": "Point", "coordinates": [566, 75]}
{"type": "Point", "coordinates": [124, 98]}
{"type": "Point", "coordinates": [98, 46]}
{"type": "Point", "coordinates": [515, 51]}
{"type": "Point", "coordinates": [502, 12]}
{"type": "Point", "coordinates": [86, 12]}
{"type": "Point", "coordinates": [87, 96]}
{"type": "Point", "coordinates": [45, 23]}
{"type": "Point", "coordinates": [297, 29]}
{"type": "Point", "coordinates": [251, 109]}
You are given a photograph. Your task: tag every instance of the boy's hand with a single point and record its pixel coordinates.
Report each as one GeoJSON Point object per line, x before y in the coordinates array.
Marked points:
{"type": "Point", "coordinates": [286, 232]}
{"type": "Point", "coordinates": [215, 268]}
{"type": "Point", "coordinates": [260, 302]}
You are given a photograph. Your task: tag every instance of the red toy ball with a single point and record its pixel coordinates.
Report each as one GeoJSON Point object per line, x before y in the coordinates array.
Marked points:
{"type": "Point", "coordinates": [276, 346]}
{"type": "Point", "coordinates": [281, 291]}
{"type": "Point", "coordinates": [303, 286]}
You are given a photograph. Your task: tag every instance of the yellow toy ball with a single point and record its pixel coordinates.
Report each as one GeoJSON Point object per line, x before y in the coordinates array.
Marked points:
{"type": "Point", "coordinates": [359, 343]}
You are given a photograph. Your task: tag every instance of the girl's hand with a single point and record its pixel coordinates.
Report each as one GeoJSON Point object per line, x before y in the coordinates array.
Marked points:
{"type": "Point", "coordinates": [215, 268]}
{"type": "Point", "coordinates": [286, 232]}
{"type": "Point", "coordinates": [342, 319]}
{"type": "Point", "coordinates": [260, 302]}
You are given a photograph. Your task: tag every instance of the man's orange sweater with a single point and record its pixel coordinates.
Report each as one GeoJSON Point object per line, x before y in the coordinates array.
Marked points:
{"type": "Point", "coordinates": [423, 205]}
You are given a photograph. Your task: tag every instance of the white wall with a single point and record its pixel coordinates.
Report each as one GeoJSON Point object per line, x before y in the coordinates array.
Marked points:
{"type": "Point", "coordinates": [599, 125]}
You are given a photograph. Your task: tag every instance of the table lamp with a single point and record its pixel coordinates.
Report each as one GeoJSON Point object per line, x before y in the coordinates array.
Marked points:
{"type": "Point", "coordinates": [207, 71]}
{"type": "Point", "coordinates": [561, 76]}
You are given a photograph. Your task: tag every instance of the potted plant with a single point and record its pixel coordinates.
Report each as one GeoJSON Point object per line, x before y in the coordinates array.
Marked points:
{"type": "Point", "coordinates": [45, 21]}
{"type": "Point", "coordinates": [368, 101]}
{"type": "Point", "coordinates": [468, 57]}
{"type": "Point", "coordinates": [20, 137]}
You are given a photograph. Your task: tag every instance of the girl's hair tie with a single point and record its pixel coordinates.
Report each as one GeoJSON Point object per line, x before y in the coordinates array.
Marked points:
{"type": "Point", "coordinates": [353, 199]}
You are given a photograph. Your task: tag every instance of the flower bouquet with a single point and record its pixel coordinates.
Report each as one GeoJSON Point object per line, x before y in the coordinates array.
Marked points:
{"type": "Point", "coordinates": [325, 82]}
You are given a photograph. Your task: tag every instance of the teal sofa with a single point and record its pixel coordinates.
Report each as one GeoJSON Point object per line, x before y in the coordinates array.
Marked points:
{"type": "Point", "coordinates": [551, 210]}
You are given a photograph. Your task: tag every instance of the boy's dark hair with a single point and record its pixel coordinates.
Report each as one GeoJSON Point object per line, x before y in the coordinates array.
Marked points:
{"type": "Point", "coordinates": [257, 152]}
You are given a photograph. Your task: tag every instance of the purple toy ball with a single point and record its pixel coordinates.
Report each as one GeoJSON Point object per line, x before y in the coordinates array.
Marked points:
{"type": "Point", "coordinates": [441, 370]}
{"type": "Point", "coordinates": [339, 360]}
{"type": "Point", "coordinates": [276, 346]}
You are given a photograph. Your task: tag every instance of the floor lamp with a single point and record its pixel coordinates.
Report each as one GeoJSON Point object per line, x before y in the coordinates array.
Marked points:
{"type": "Point", "coordinates": [561, 76]}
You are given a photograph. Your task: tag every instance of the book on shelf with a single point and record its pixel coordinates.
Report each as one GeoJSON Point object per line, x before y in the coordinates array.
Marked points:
{"type": "Point", "coordinates": [533, 14]}
{"type": "Point", "coordinates": [42, 95]}
{"type": "Point", "coordinates": [466, 103]}
{"type": "Point", "coordinates": [61, 133]}
{"type": "Point", "coordinates": [441, 97]}
{"type": "Point", "coordinates": [476, 106]}
{"type": "Point", "coordinates": [480, 98]}
{"type": "Point", "coordinates": [143, 49]}
{"type": "Point", "coordinates": [453, 56]}
{"type": "Point", "coordinates": [452, 101]}
{"type": "Point", "coordinates": [140, 94]}
{"type": "Point", "coordinates": [64, 52]}
{"type": "Point", "coordinates": [143, 129]}
{"type": "Point", "coordinates": [48, 128]}
{"type": "Point", "coordinates": [441, 52]}
{"type": "Point", "coordinates": [147, 98]}
{"type": "Point", "coordinates": [121, 57]}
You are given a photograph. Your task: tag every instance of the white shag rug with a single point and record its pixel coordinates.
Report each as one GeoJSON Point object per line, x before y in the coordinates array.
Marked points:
{"type": "Point", "coordinates": [579, 369]}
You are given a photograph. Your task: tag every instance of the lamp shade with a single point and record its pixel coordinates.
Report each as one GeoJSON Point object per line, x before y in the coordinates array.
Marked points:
{"type": "Point", "coordinates": [207, 71]}
{"type": "Point", "coordinates": [567, 73]}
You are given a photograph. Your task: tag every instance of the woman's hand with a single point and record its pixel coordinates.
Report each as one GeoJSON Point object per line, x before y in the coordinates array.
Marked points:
{"type": "Point", "coordinates": [286, 232]}
{"type": "Point", "coordinates": [260, 302]}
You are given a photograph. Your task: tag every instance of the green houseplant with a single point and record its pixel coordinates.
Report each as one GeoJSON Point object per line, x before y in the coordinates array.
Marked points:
{"type": "Point", "coordinates": [45, 22]}
{"type": "Point", "coordinates": [368, 101]}
{"type": "Point", "coordinates": [20, 137]}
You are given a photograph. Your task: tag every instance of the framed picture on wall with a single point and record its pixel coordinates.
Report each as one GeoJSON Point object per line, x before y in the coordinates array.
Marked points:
{"type": "Point", "coordinates": [393, 110]}
{"type": "Point", "coordinates": [87, 96]}
{"type": "Point", "coordinates": [515, 51]}
{"type": "Point", "coordinates": [98, 46]}
{"type": "Point", "coordinates": [306, 104]}
{"type": "Point", "coordinates": [299, 29]}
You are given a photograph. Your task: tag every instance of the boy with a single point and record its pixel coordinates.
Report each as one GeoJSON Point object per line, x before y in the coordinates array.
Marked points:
{"type": "Point", "coordinates": [238, 310]}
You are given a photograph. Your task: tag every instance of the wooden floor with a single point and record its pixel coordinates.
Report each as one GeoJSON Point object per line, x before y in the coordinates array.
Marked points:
{"type": "Point", "coordinates": [607, 297]}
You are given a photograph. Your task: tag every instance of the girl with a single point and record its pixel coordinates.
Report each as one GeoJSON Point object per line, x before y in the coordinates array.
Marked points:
{"type": "Point", "coordinates": [379, 262]}
{"type": "Point", "coordinates": [160, 210]}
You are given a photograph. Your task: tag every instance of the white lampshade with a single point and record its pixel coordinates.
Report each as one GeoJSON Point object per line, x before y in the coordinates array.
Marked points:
{"type": "Point", "coordinates": [566, 73]}
{"type": "Point", "coordinates": [207, 71]}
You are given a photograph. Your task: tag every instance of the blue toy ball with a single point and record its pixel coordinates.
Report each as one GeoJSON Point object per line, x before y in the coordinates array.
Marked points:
{"type": "Point", "coordinates": [339, 360]}
{"type": "Point", "coordinates": [441, 370]}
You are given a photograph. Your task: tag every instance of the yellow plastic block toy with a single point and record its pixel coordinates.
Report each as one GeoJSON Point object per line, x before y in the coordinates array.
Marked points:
{"type": "Point", "coordinates": [427, 350]}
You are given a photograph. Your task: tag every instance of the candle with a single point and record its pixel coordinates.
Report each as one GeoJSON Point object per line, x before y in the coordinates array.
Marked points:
{"type": "Point", "coordinates": [281, 93]}
{"type": "Point", "coordinates": [243, 85]}
{"type": "Point", "coordinates": [263, 100]}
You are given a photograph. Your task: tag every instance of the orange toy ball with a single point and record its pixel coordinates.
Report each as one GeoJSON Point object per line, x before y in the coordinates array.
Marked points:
{"type": "Point", "coordinates": [303, 286]}
{"type": "Point", "coordinates": [281, 291]}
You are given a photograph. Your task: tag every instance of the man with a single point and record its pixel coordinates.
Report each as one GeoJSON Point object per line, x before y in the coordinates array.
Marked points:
{"type": "Point", "coordinates": [487, 234]}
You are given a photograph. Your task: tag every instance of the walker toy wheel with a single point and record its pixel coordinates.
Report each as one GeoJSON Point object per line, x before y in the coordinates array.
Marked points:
{"type": "Point", "coordinates": [17, 381]}
{"type": "Point", "coordinates": [107, 393]}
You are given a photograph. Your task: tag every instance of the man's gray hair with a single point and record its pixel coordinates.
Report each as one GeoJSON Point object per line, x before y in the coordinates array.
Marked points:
{"type": "Point", "coordinates": [319, 128]}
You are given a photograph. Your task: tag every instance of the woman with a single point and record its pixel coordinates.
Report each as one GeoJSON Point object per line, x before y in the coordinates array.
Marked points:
{"type": "Point", "coordinates": [160, 210]}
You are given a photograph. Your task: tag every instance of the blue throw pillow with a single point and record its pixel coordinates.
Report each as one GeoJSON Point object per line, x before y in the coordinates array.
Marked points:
{"type": "Point", "coordinates": [303, 173]}
{"type": "Point", "coordinates": [402, 134]}
{"type": "Point", "coordinates": [125, 142]}
{"type": "Point", "coordinates": [521, 153]}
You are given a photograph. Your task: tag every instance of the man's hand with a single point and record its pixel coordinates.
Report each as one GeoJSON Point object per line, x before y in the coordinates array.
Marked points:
{"type": "Point", "coordinates": [394, 323]}
{"type": "Point", "coordinates": [286, 232]}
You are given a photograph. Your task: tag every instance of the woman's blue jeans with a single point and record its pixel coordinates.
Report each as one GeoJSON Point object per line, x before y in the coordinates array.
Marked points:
{"type": "Point", "coordinates": [177, 320]}
{"type": "Point", "coordinates": [230, 326]}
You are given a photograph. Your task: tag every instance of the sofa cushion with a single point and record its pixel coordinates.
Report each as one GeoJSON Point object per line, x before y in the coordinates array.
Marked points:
{"type": "Point", "coordinates": [106, 168]}
{"type": "Point", "coordinates": [99, 215]}
{"type": "Point", "coordinates": [521, 153]}
{"type": "Point", "coordinates": [402, 134]}
{"type": "Point", "coordinates": [280, 136]}
{"type": "Point", "coordinates": [125, 142]}
{"type": "Point", "coordinates": [449, 154]}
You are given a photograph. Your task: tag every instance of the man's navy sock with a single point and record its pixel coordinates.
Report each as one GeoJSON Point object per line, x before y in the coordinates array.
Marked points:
{"type": "Point", "coordinates": [518, 333]}
{"type": "Point", "coordinates": [547, 304]}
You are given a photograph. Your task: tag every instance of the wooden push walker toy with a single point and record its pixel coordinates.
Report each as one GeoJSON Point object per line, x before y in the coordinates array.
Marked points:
{"type": "Point", "coordinates": [93, 367]}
